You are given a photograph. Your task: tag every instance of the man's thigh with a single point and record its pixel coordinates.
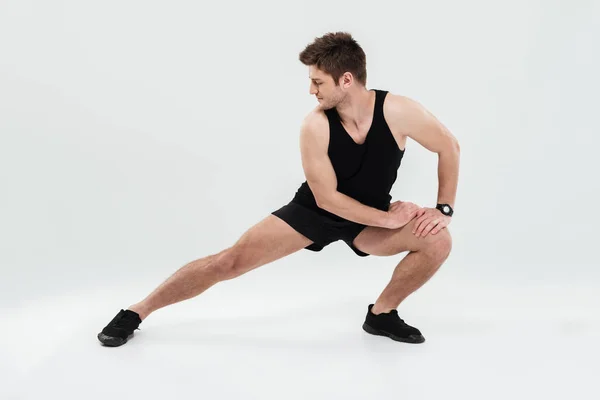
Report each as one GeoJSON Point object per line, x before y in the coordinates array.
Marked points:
{"type": "Point", "coordinates": [267, 241]}
{"type": "Point", "coordinates": [387, 242]}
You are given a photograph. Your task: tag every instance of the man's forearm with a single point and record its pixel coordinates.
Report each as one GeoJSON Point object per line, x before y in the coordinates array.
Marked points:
{"type": "Point", "coordinates": [347, 207]}
{"type": "Point", "coordinates": [448, 166]}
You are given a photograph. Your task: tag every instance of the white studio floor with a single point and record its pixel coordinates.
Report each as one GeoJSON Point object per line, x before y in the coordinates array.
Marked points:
{"type": "Point", "coordinates": [272, 335]}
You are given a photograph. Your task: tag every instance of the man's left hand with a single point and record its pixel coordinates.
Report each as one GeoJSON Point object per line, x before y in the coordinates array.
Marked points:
{"type": "Point", "coordinates": [430, 220]}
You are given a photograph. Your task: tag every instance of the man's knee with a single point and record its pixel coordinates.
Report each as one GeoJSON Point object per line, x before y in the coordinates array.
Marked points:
{"type": "Point", "coordinates": [438, 246]}
{"type": "Point", "coordinates": [225, 264]}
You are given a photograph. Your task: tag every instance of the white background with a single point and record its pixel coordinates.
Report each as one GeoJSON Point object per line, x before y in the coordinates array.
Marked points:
{"type": "Point", "coordinates": [136, 136]}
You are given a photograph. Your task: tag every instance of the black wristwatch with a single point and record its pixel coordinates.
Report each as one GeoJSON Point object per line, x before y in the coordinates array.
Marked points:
{"type": "Point", "coordinates": [445, 209]}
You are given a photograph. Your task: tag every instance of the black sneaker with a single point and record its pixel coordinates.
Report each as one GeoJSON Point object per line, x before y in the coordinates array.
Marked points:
{"type": "Point", "coordinates": [120, 329]}
{"type": "Point", "coordinates": [391, 325]}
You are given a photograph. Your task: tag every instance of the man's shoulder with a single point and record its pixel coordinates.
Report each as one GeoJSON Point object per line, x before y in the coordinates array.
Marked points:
{"type": "Point", "coordinates": [316, 122]}
{"type": "Point", "coordinates": [396, 102]}
{"type": "Point", "coordinates": [400, 109]}
{"type": "Point", "coordinates": [314, 133]}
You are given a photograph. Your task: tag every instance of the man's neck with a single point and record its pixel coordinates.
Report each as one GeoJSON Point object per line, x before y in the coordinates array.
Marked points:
{"type": "Point", "coordinates": [358, 107]}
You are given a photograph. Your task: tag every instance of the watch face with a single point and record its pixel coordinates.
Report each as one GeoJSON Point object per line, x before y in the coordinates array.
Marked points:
{"type": "Point", "coordinates": [445, 209]}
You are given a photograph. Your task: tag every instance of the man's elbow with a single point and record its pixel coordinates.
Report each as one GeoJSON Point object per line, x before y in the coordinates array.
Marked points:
{"type": "Point", "coordinates": [456, 146]}
{"type": "Point", "coordinates": [451, 147]}
{"type": "Point", "coordinates": [324, 199]}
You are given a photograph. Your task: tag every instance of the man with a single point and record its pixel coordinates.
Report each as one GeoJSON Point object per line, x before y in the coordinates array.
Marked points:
{"type": "Point", "coordinates": [351, 144]}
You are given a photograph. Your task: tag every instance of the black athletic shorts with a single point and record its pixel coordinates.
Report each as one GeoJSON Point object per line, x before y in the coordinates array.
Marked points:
{"type": "Point", "coordinates": [321, 229]}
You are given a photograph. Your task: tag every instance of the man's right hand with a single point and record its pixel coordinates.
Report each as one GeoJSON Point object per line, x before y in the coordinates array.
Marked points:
{"type": "Point", "coordinates": [401, 213]}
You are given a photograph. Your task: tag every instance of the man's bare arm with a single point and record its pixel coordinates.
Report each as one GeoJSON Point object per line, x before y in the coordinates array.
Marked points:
{"type": "Point", "coordinates": [409, 118]}
{"type": "Point", "coordinates": [320, 176]}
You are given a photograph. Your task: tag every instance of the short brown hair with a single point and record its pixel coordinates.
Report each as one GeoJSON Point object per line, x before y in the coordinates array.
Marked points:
{"type": "Point", "coordinates": [337, 53]}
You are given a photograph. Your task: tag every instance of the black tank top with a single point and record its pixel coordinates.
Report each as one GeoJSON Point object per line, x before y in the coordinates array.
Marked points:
{"type": "Point", "coordinates": [365, 172]}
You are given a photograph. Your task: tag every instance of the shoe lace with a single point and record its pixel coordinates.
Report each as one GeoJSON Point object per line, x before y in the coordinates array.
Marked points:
{"type": "Point", "coordinates": [395, 313]}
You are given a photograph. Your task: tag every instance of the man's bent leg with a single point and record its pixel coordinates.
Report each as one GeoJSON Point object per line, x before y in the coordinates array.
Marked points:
{"type": "Point", "coordinates": [265, 242]}
{"type": "Point", "coordinates": [426, 255]}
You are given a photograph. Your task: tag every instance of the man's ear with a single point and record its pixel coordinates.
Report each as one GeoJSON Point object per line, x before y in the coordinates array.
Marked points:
{"type": "Point", "coordinates": [346, 80]}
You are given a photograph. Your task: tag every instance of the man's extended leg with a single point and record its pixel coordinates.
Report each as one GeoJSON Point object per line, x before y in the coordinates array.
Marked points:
{"type": "Point", "coordinates": [265, 242]}
{"type": "Point", "coordinates": [425, 257]}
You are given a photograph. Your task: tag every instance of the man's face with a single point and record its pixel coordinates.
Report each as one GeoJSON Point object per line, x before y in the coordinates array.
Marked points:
{"type": "Point", "coordinates": [323, 87]}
